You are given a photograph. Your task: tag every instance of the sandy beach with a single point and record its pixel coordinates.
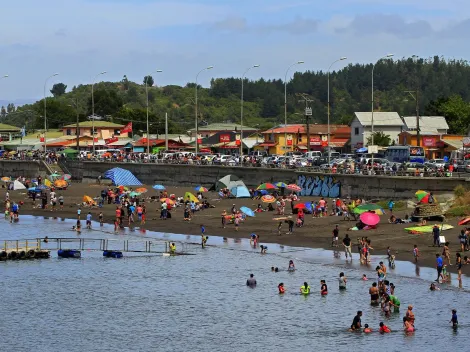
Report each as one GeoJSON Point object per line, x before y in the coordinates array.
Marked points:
{"type": "Point", "coordinates": [316, 233]}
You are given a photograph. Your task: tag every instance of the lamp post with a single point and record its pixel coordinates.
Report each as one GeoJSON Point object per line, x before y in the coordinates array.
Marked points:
{"type": "Point", "coordinates": [45, 108]}
{"type": "Point", "coordinates": [77, 128]}
{"type": "Point", "coordinates": [195, 106]}
{"type": "Point", "coordinates": [285, 103]}
{"type": "Point", "coordinates": [241, 115]}
{"type": "Point", "coordinates": [147, 94]}
{"type": "Point", "coordinates": [328, 136]}
{"type": "Point", "coordinates": [372, 106]}
{"type": "Point", "coordinates": [93, 110]}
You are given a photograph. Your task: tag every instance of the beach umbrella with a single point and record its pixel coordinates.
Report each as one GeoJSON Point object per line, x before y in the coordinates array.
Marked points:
{"type": "Point", "coordinates": [281, 185]}
{"type": "Point", "coordinates": [60, 183]}
{"type": "Point", "coordinates": [300, 206]}
{"type": "Point", "coordinates": [266, 186]}
{"type": "Point", "coordinates": [464, 221]}
{"type": "Point", "coordinates": [200, 189]}
{"type": "Point", "coordinates": [191, 197]}
{"type": "Point", "coordinates": [88, 199]}
{"type": "Point", "coordinates": [422, 196]}
{"type": "Point", "coordinates": [167, 201]}
{"type": "Point", "coordinates": [268, 198]}
{"type": "Point", "coordinates": [247, 211]}
{"type": "Point", "coordinates": [294, 187]}
{"type": "Point", "coordinates": [47, 183]}
{"type": "Point", "coordinates": [370, 219]}
{"type": "Point", "coordinates": [141, 190]}
{"type": "Point", "coordinates": [42, 187]}
{"type": "Point", "coordinates": [32, 189]}
{"type": "Point", "coordinates": [367, 208]}
{"type": "Point", "coordinates": [134, 194]}
{"type": "Point", "coordinates": [158, 187]}
{"type": "Point", "coordinates": [308, 205]}
{"type": "Point", "coordinates": [6, 179]}
{"type": "Point", "coordinates": [66, 177]}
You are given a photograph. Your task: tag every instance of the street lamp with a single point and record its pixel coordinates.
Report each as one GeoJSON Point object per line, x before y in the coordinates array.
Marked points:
{"type": "Point", "coordinates": [45, 108]}
{"type": "Point", "coordinates": [241, 114]}
{"type": "Point", "coordinates": [195, 106]}
{"type": "Point", "coordinates": [93, 110]}
{"type": "Point", "coordinates": [329, 68]}
{"type": "Point", "coordinates": [372, 107]}
{"type": "Point", "coordinates": [285, 103]}
{"type": "Point", "coordinates": [147, 94]}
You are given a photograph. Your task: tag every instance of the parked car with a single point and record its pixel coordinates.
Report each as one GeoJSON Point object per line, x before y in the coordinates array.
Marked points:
{"type": "Point", "coordinates": [435, 163]}
{"type": "Point", "coordinates": [464, 167]}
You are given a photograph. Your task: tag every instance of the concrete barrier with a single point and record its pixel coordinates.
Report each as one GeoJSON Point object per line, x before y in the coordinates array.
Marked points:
{"type": "Point", "coordinates": [368, 187]}
{"type": "Point", "coordinates": [28, 169]}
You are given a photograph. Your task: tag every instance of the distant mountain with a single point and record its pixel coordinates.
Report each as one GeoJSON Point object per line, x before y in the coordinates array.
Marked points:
{"type": "Point", "coordinates": [17, 102]}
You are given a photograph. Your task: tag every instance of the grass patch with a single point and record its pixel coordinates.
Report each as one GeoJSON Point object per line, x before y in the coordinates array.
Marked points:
{"type": "Point", "coordinates": [399, 205]}
{"type": "Point", "coordinates": [459, 211]}
{"type": "Point", "coordinates": [460, 191]}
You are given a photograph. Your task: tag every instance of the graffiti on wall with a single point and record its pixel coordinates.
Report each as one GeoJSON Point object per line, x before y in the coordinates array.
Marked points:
{"type": "Point", "coordinates": [321, 186]}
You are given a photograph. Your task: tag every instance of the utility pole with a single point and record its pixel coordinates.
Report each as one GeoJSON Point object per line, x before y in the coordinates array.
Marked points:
{"type": "Point", "coordinates": [77, 127]}
{"type": "Point", "coordinates": [307, 113]}
{"type": "Point", "coordinates": [415, 95]}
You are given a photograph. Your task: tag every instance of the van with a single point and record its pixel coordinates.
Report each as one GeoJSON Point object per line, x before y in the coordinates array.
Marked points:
{"type": "Point", "coordinates": [313, 155]}
{"type": "Point", "coordinates": [258, 153]}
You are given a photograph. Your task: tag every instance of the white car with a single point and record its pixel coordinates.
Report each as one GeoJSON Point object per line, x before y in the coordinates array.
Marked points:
{"type": "Point", "coordinates": [436, 163]}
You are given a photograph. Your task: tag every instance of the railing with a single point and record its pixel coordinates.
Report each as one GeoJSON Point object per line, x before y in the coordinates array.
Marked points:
{"type": "Point", "coordinates": [20, 245]}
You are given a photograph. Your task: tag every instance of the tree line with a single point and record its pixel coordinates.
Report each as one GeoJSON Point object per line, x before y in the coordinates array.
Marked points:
{"type": "Point", "coordinates": [442, 86]}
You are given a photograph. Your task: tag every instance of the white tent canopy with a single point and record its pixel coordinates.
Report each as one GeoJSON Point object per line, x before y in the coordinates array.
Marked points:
{"type": "Point", "coordinates": [18, 185]}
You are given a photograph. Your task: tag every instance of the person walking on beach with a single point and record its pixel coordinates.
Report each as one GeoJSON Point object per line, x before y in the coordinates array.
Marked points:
{"type": "Point", "coordinates": [79, 211]}
{"type": "Point", "coordinates": [391, 204]}
{"type": "Point", "coordinates": [435, 234]}
{"type": "Point", "coordinates": [416, 253]}
{"type": "Point", "coordinates": [439, 265]}
{"type": "Point", "coordinates": [446, 253]}
{"type": "Point", "coordinates": [347, 246]}
{"type": "Point", "coordinates": [61, 202]}
{"type": "Point", "coordinates": [334, 240]}
{"type": "Point", "coordinates": [224, 221]}
{"type": "Point", "coordinates": [88, 221]}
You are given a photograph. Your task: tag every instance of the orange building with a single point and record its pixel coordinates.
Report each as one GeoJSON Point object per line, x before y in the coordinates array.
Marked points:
{"type": "Point", "coordinates": [435, 146]}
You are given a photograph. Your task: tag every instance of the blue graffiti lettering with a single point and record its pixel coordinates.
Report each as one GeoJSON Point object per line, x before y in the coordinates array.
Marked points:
{"type": "Point", "coordinates": [324, 186]}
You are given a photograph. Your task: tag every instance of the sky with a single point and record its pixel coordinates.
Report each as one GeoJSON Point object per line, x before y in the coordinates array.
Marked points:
{"type": "Point", "coordinates": [80, 38]}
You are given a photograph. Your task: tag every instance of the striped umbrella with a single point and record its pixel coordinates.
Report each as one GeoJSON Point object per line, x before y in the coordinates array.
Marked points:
{"type": "Point", "coordinates": [281, 185]}
{"type": "Point", "coordinates": [66, 177]}
{"type": "Point", "coordinates": [294, 187]}
{"type": "Point", "coordinates": [141, 190]}
{"type": "Point", "coordinates": [268, 198]}
{"type": "Point", "coordinates": [6, 179]}
{"type": "Point", "coordinates": [200, 189]}
{"type": "Point", "coordinates": [266, 186]}
{"type": "Point", "coordinates": [369, 207]}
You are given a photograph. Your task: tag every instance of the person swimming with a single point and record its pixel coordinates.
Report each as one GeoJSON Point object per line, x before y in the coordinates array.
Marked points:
{"type": "Point", "coordinates": [408, 326]}
{"type": "Point", "coordinates": [323, 288]}
{"type": "Point", "coordinates": [364, 277]}
{"type": "Point", "coordinates": [433, 287]}
{"type": "Point", "coordinates": [305, 289]}
{"type": "Point", "coordinates": [367, 329]}
{"type": "Point", "coordinates": [384, 329]}
{"type": "Point", "coordinates": [281, 288]}
{"type": "Point", "coordinates": [291, 265]}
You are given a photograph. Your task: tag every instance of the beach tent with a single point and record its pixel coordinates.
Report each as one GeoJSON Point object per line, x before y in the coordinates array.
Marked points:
{"type": "Point", "coordinates": [18, 185]}
{"type": "Point", "coordinates": [122, 177]}
{"type": "Point", "coordinates": [89, 200]}
{"type": "Point", "coordinates": [240, 192]}
{"type": "Point", "coordinates": [229, 181]}
{"type": "Point", "coordinates": [47, 183]}
{"type": "Point", "coordinates": [70, 153]}
{"type": "Point", "coordinates": [191, 197]}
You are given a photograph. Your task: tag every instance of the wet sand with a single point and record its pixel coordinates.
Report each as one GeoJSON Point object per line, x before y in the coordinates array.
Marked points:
{"type": "Point", "coordinates": [316, 233]}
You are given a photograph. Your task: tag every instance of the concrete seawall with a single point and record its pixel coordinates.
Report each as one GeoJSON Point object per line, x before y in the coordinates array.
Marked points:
{"type": "Point", "coordinates": [28, 169]}
{"type": "Point", "coordinates": [315, 184]}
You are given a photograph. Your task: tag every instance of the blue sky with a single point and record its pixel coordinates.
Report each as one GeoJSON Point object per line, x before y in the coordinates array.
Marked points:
{"type": "Point", "coordinates": [80, 38]}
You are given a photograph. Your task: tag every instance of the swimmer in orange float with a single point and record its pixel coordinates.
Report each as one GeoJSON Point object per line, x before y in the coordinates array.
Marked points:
{"type": "Point", "coordinates": [281, 288]}
{"type": "Point", "coordinates": [367, 330]}
{"type": "Point", "coordinates": [384, 329]}
{"type": "Point", "coordinates": [324, 288]}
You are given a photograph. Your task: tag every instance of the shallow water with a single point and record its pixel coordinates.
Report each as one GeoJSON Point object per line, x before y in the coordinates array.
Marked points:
{"type": "Point", "coordinates": [200, 302]}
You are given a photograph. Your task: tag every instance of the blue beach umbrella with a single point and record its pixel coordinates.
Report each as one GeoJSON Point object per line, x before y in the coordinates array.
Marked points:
{"type": "Point", "coordinates": [263, 192]}
{"type": "Point", "coordinates": [281, 185]}
{"type": "Point", "coordinates": [159, 187]}
{"type": "Point", "coordinates": [308, 205]}
{"type": "Point", "coordinates": [247, 211]}
{"type": "Point", "coordinates": [41, 187]}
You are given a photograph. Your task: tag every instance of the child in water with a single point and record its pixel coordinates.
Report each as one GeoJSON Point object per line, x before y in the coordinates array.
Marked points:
{"type": "Point", "coordinates": [281, 288]}
{"type": "Point", "coordinates": [367, 329]}
{"type": "Point", "coordinates": [204, 240]}
{"type": "Point", "coordinates": [263, 249]}
{"type": "Point", "coordinates": [364, 277]}
{"type": "Point", "coordinates": [291, 265]}
{"type": "Point", "coordinates": [408, 327]}
{"type": "Point", "coordinates": [323, 288]}
{"type": "Point", "coordinates": [454, 319]}
{"type": "Point", "coordinates": [433, 287]}
{"type": "Point", "coordinates": [384, 329]}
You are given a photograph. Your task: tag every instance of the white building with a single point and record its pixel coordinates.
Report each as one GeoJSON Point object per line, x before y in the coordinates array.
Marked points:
{"type": "Point", "coordinates": [428, 125]}
{"type": "Point", "coordinates": [389, 123]}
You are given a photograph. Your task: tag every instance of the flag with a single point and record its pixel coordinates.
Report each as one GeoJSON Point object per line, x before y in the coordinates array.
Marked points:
{"type": "Point", "coordinates": [127, 128]}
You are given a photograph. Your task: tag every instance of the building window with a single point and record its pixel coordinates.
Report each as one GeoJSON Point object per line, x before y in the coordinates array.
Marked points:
{"type": "Point", "coordinates": [69, 132]}
{"type": "Point", "coordinates": [117, 132]}
{"type": "Point", "coordinates": [356, 131]}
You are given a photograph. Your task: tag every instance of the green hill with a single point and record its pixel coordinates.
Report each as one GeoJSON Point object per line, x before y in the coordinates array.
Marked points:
{"type": "Point", "coordinates": [443, 89]}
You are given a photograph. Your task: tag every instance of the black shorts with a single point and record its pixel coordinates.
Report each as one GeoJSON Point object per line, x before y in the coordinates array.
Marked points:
{"type": "Point", "coordinates": [439, 270]}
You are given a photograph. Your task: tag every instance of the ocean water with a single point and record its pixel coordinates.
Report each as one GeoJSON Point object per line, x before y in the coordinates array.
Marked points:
{"type": "Point", "coordinates": [200, 302]}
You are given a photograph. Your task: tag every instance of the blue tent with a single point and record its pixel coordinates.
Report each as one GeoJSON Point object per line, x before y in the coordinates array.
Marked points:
{"type": "Point", "coordinates": [122, 177]}
{"type": "Point", "coordinates": [240, 192]}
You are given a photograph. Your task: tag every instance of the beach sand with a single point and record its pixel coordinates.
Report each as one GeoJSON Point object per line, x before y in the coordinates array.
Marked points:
{"type": "Point", "coordinates": [316, 233]}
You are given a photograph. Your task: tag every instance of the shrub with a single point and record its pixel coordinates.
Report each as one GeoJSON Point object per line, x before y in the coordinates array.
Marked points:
{"type": "Point", "coordinates": [399, 205]}
{"type": "Point", "coordinates": [460, 191]}
{"type": "Point", "coordinates": [459, 211]}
